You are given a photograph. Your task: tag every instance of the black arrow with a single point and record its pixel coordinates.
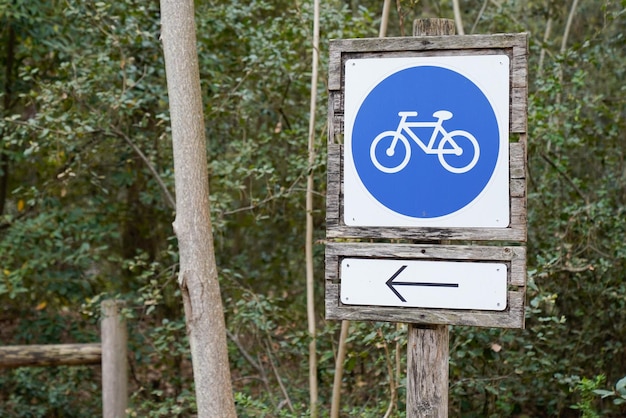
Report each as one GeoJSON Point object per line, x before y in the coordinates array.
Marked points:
{"type": "Point", "coordinates": [391, 284]}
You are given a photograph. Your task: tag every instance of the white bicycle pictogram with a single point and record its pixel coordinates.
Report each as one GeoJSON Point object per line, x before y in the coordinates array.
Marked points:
{"type": "Point", "coordinates": [447, 149]}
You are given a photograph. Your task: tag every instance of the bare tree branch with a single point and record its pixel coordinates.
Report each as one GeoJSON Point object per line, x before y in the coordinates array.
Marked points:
{"type": "Point", "coordinates": [458, 20]}
{"type": "Point", "coordinates": [568, 25]}
{"type": "Point", "coordinates": [169, 199]}
{"type": "Point", "coordinates": [480, 15]}
{"type": "Point", "coordinates": [341, 356]}
{"type": "Point", "coordinates": [310, 289]}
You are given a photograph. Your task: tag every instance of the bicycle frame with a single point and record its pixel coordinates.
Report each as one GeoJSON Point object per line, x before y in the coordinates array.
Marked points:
{"type": "Point", "coordinates": [405, 126]}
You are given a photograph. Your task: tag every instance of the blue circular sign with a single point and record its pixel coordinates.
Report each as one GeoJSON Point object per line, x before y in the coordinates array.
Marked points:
{"type": "Point", "coordinates": [425, 141]}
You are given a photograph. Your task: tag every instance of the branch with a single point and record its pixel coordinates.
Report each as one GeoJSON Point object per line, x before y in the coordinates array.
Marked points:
{"type": "Point", "coordinates": [270, 355]}
{"type": "Point", "coordinates": [250, 359]}
{"type": "Point", "coordinates": [457, 17]}
{"type": "Point", "coordinates": [169, 199]}
{"type": "Point", "coordinates": [37, 127]}
{"type": "Point", "coordinates": [400, 16]}
{"type": "Point", "coordinates": [480, 15]}
{"type": "Point", "coordinates": [341, 356]}
{"type": "Point", "coordinates": [568, 26]}
{"type": "Point", "coordinates": [576, 269]}
{"type": "Point", "coordinates": [268, 199]}
{"type": "Point", "coordinates": [567, 178]}
{"type": "Point", "coordinates": [168, 196]}
{"type": "Point", "coordinates": [483, 379]}
{"type": "Point", "coordinates": [384, 19]}
{"type": "Point", "coordinates": [392, 383]}
{"type": "Point", "coordinates": [542, 54]}
{"type": "Point", "coordinates": [246, 355]}
{"type": "Point", "coordinates": [308, 244]}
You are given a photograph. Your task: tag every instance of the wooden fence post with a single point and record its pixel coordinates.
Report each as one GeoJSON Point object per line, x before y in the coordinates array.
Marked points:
{"type": "Point", "coordinates": [114, 362]}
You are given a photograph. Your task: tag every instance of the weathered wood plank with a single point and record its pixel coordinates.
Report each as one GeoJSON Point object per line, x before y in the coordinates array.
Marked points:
{"type": "Point", "coordinates": [518, 268]}
{"type": "Point", "coordinates": [517, 160]}
{"type": "Point", "coordinates": [335, 116]}
{"type": "Point", "coordinates": [336, 124]}
{"type": "Point", "coordinates": [427, 234]}
{"type": "Point", "coordinates": [515, 232]}
{"type": "Point", "coordinates": [430, 53]}
{"type": "Point", "coordinates": [426, 251]}
{"type": "Point", "coordinates": [338, 103]}
{"type": "Point", "coordinates": [334, 66]}
{"type": "Point", "coordinates": [522, 138]}
{"type": "Point", "coordinates": [427, 43]}
{"type": "Point", "coordinates": [519, 109]}
{"type": "Point", "coordinates": [330, 116]}
{"type": "Point", "coordinates": [518, 187]}
{"type": "Point", "coordinates": [519, 67]}
{"type": "Point", "coordinates": [50, 355]}
{"type": "Point", "coordinates": [333, 186]}
{"type": "Point", "coordinates": [519, 214]}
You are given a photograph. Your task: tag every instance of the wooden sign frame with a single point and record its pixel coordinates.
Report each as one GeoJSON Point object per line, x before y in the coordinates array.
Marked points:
{"type": "Point", "coordinates": [513, 256]}
{"type": "Point", "coordinates": [513, 45]}
{"type": "Point", "coordinates": [506, 244]}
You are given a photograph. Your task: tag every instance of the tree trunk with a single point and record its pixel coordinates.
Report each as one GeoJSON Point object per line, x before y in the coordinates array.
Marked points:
{"type": "Point", "coordinates": [198, 272]}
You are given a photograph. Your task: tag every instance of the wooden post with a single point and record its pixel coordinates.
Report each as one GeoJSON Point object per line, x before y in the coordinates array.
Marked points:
{"type": "Point", "coordinates": [433, 27]}
{"type": "Point", "coordinates": [428, 348]}
{"type": "Point", "coordinates": [427, 371]}
{"type": "Point", "coordinates": [114, 363]}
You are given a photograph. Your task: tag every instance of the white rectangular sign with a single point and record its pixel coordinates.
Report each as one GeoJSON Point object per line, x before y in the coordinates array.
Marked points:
{"type": "Point", "coordinates": [424, 284]}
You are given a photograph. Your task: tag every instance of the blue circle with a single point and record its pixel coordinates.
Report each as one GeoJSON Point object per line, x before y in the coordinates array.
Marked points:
{"type": "Point", "coordinates": [434, 181]}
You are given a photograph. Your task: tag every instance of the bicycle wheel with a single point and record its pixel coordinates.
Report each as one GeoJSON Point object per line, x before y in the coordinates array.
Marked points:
{"type": "Point", "coordinates": [458, 152]}
{"type": "Point", "coordinates": [385, 158]}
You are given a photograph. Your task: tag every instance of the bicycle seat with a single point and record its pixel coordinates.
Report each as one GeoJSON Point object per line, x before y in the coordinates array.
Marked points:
{"type": "Point", "coordinates": [407, 113]}
{"type": "Point", "coordinates": [443, 114]}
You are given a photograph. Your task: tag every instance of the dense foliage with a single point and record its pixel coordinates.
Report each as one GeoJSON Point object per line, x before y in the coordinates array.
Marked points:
{"type": "Point", "coordinates": [86, 187]}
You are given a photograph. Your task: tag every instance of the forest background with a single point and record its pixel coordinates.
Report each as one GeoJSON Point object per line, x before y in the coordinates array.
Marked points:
{"type": "Point", "coordinates": [86, 206]}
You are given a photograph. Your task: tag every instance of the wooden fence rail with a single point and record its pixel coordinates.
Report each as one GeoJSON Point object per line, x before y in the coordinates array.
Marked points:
{"type": "Point", "coordinates": [49, 355]}
{"type": "Point", "coordinates": [110, 353]}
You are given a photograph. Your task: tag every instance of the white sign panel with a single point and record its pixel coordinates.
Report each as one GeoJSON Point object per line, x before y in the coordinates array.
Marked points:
{"type": "Point", "coordinates": [426, 141]}
{"type": "Point", "coordinates": [424, 284]}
